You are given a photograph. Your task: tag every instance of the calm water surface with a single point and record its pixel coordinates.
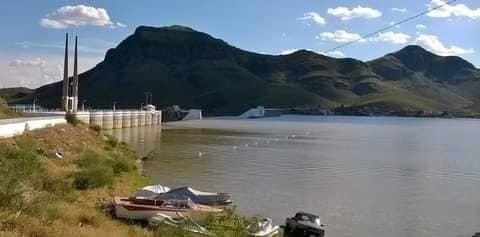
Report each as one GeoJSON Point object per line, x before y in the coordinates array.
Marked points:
{"type": "Point", "coordinates": [363, 176]}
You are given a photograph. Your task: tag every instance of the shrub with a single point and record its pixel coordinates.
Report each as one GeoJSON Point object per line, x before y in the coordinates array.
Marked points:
{"type": "Point", "coordinates": [112, 141]}
{"type": "Point", "coordinates": [20, 170]}
{"type": "Point", "coordinates": [93, 177]}
{"type": "Point", "coordinates": [89, 159]}
{"type": "Point", "coordinates": [120, 166]}
{"type": "Point", "coordinates": [72, 119]}
{"type": "Point", "coordinates": [97, 171]}
{"type": "Point", "coordinates": [96, 128]}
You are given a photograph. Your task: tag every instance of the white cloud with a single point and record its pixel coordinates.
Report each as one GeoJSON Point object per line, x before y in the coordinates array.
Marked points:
{"type": "Point", "coordinates": [334, 54]}
{"type": "Point", "coordinates": [38, 62]}
{"type": "Point", "coordinates": [459, 10]}
{"type": "Point", "coordinates": [96, 46]}
{"type": "Point", "coordinates": [288, 51]}
{"type": "Point", "coordinates": [395, 9]}
{"type": "Point", "coordinates": [312, 17]}
{"type": "Point", "coordinates": [392, 37]}
{"type": "Point", "coordinates": [421, 26]}
{"type": "Point", "coordinates": [119, 24]}
{"type": "Point", "coordinates": [79, 15]}
{"type": "Point", "coordinates": [393, 23]}
{"type": "Point", "coordinates": [35, 72]}
{"type": "Point", "coordinates": [358, 12]}
{"type": "Point", "coordinates": [433, 43]}
{"type": "Point", "coordinates": [340, 36]}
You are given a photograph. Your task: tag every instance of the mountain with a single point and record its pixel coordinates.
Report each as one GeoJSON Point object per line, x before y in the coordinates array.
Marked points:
{"type": "Point", "coordinates": [15, 92]}
{"type": "Point", "coordinates": [181, 66]}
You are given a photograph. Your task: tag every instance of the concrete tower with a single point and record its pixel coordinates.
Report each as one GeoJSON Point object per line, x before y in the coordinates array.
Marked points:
{"type": "Point", "coordinates": [75, 79]}
{"type": "Point", "coordinates": [66, 82]}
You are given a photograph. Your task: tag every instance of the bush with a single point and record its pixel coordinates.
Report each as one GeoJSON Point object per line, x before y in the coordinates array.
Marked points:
{"type": "Point", "coordinates": [20, 170]}
{"type": "Point", "coordinates": [112, 141]}
{"type": "Point", "coordinates": [121, 166]}
{"type": "Point", "coordinates": [93, 177]}
{"type": "Point", "coordinates": [97, 171]}
{"type": "Point", "coordinates": [96, 128]}
{"type": "Point", "coordinates": [72, 119]}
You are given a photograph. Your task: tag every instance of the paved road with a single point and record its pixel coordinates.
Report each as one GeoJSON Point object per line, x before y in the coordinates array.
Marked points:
{"type": "Point", "coordinates": [25, 119]}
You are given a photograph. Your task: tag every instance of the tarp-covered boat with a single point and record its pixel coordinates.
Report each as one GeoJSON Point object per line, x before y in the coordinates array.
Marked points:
{"type": "Point", "coordinates": [206, 198]}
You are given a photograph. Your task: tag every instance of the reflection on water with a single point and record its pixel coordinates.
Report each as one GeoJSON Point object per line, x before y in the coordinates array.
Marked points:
{"type": "Point", "coordinates": [142, 139]}
{"type": "Point", "coordinates": [363, 176]}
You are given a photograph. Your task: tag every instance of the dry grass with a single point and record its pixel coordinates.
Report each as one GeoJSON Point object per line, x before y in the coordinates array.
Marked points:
{"type": "Point", "coordinates": [53, 207]}
{"type": "Point", "coordinates": [47, 202]}
{"type": "Point", "coordinates": [5, 112]}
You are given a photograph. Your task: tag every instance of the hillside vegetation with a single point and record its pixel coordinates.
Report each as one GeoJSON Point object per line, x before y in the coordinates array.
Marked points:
{"type": "Point", "coordinates": [58, 182]}
{"type": "Point", "coordinates": [55, 185]}
{"type": "Point", "coordinates": [195, 70]}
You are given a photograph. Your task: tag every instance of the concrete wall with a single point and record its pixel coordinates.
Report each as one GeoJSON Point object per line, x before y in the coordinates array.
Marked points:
{"type": "Point", "coordinates": [117, 119]}
{"type": "Point", "coordinates": [13, 127]}
{"type": "Point", "coordinates": [134, 119]}
{"type": "Point", "coordinates": [126, 119]}
{"type": "Point", "coordinates": [154, 118]}
{"type": "Point", "coordinates": [96, 118]}
{"type": "Point", "coordinates": [107, 120]}
{"type": "Point", "coordinates": [104, 119]}
{"type": "Point", "coordinates": [141, 118]}
{"type": "Point", "coordinates": [148, 118]}
{"type": "Point", "coordinates": [258, 112]}
{"type": "Point", "coordinates": [84, 117]}
{"type": "Point", "coordinates": [193, 114]}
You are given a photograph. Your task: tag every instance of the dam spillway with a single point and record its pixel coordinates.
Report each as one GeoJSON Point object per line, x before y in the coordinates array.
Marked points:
{"type": "Point", "coordinates": [120, 119]}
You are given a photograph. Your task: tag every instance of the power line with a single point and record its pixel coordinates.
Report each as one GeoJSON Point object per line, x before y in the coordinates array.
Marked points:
{"type": "Point", "coordinates": [389, 27]}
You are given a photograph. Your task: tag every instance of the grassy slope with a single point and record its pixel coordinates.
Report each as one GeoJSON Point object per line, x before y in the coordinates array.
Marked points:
{"type": "Point", "coordinates": [43, 195]}
{"type": "Point", "coordinates": [37, 192]}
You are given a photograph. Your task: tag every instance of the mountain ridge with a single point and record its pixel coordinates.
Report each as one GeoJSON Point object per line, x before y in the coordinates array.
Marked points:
{"type": "Point", "coordinates": [193, 69]}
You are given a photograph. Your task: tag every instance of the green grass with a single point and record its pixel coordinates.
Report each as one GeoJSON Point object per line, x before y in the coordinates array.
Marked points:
{"type": "Point", "coordinates": [42, 195]}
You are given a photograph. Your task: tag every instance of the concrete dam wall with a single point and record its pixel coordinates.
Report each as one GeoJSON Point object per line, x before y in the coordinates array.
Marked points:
{"type": "Point", "coordinates": [121, 119]}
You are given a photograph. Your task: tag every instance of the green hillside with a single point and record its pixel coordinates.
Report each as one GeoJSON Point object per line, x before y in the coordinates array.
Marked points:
{"type": "Point", "coordinates": [192, 69]}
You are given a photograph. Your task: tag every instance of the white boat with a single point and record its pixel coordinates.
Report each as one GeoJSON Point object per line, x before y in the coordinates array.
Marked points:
{"type": "Point", "coordinates": [144, 208]}
{"type": "Point", "coordinates": [263, 228]}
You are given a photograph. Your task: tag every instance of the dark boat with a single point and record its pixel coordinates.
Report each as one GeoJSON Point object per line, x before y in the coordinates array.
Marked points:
{"type": "Point", "coordinates": [304, 225]}
{"type": "Point", "coordinates": [205, 198]}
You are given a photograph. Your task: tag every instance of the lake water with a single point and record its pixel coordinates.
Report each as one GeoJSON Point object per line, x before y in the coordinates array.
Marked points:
{"type": "Point", "coordinates": [364, 176]}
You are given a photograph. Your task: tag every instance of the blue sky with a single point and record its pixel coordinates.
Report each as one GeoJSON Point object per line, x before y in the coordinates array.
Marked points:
{"type": "Point", "coordinates": [33, 31]}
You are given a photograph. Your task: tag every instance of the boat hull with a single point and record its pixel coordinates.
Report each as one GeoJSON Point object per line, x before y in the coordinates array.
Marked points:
{"type": "Point", "coordinates": [126, 212]}
{"type": "Point", "coordinates": [134, 211]}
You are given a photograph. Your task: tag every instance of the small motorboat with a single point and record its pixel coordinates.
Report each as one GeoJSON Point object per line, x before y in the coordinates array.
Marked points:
{"type": "Point", "coordinates": [138, 208]}
{"type": "Point", "coordinates": [184, 223]}
{"type": "Point", "coordinates": [304, 224]}
{"type": "Point", "coordinates": [205, 198]}
{"type": "Point", "coordinates": [263, 228]}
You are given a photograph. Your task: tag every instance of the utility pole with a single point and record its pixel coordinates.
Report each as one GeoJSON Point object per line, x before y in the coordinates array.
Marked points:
{"type": "Point", "coordinates": [114, 103]}
{"type": "Point", "coordinates": [83, 105]}
{"type": "Point", "coordinates": [141, 106]}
